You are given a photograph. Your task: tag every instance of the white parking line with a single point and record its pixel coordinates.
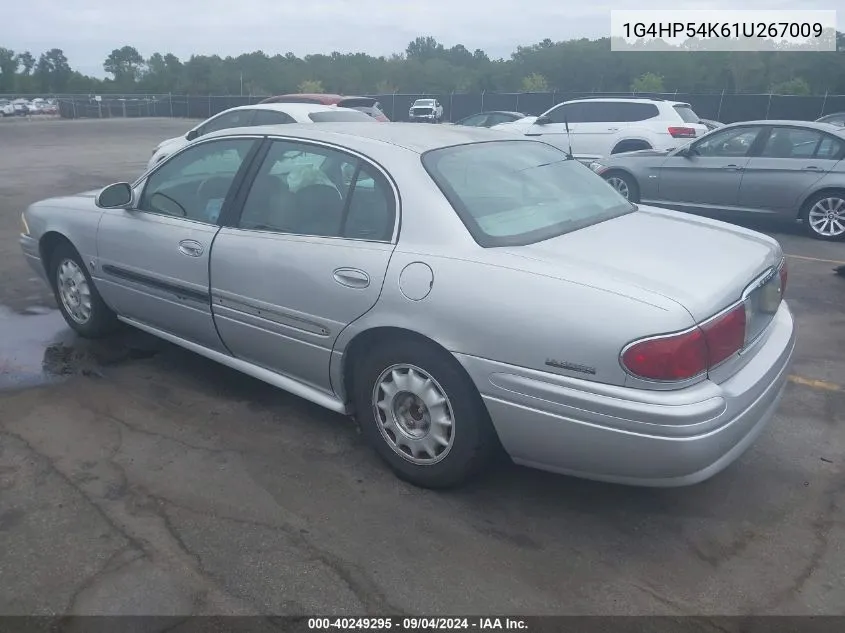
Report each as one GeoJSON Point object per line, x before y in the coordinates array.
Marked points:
{"type": "Point", "coordinates": [817, 259]}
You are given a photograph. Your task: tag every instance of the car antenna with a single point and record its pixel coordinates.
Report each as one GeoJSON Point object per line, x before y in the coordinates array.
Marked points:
{"type": "Point", "coordinates": [568, 138]}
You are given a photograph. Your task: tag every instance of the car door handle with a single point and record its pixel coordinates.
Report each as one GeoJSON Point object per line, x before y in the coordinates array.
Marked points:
{"type": "Point", "coordinates": [812, 168]}
{"type": "Point", "coordinates": [191, 248]}
{"type": "Point", "coordinates": [733, 167]}
{"type": "Point", "coordinates": [352, 278]}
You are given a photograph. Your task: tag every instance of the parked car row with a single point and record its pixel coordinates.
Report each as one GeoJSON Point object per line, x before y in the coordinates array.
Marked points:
{"type": "Point", "coordinates": [22, 107]}
{"type": "Point", "coordinates": [456, 290]}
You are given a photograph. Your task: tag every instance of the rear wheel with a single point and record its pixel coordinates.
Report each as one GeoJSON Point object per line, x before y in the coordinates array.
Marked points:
{"type": "Point", "coordinates": [79, 302]}
{"type": "Point", "coordinates": [824, 216]}
{"type": "Point", "coordinates": [422, 414]}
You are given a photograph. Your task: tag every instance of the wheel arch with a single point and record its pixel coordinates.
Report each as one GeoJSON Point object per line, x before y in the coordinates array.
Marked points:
{"type": "Point", "coordinates": [802, 207]}
{"type": "Point", "coordinates": [47, 245]}
{"type": "Point", "coordinates": [635, 140]}
{"type": "Point", "coordinates": [377, 335]}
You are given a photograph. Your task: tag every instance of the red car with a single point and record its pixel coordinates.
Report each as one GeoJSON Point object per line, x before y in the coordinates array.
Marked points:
{"type": "Point", "coordinates": [367, 105]}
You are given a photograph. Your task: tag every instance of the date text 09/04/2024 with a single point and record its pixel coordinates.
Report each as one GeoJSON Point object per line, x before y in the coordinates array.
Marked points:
{"type": "Point", "coordinates": [417, 624]}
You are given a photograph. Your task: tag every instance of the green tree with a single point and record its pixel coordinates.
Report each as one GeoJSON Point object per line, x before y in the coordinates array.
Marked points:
{"type": "Point", "coordinates": [27, 62]}
{"type": "Point", "coordinates": [796, 86]}
{"type": "Point", "coordinates": [648, 82]}
{"type": "Point", "coordinates": [311, 86]}
{"type": "Point", "coordinates": [535, 82]}
{"type": "Point", "coordinates": [8, 70]}
{"type": "Point", "coordinates": [124, 64]}
{"type": "Point", "coordinates": [52, 71]}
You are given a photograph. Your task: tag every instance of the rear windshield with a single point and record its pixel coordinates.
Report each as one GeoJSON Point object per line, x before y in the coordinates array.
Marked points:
{"type": "Point", "coordinates": [338, 116]}
{"type": "Point", "coordinates": [511, 193]}
{"type": "Point", "coordinates": [687, 114]}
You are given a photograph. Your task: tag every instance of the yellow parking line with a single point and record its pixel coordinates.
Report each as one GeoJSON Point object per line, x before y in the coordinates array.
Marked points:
{"type": "Point", "coordinates": [815, 384]}
{"type": "Point", "coordinates": [817, 259]}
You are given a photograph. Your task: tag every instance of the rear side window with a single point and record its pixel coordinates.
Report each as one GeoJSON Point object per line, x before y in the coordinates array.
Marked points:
{"type": "Point", "coordinates": [687, 114]}
{"type": "Point", "coordinates": [339, 116]}
{"type": "Point", "coordinates": [630, 112]}
{"type": "Point", "coordinates": [511, 193]}
{"type": "Point", "coordinates": [271, 117]}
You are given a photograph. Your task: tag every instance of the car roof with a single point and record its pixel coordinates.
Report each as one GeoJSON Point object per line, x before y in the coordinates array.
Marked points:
{"type": "Point", "coordinates": [410, 136]}
{"type": "Point", "coordinates": [291, 108]}
{"type": "Point", "coordinates": [812, 125]}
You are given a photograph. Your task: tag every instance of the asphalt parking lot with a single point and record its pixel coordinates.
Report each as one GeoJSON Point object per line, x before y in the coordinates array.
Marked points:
{"type": "Point", "coordinates": [137, 478]}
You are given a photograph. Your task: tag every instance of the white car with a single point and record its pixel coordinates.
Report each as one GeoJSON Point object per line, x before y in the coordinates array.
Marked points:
{"type": "Point", "coordinates": [602, 126]}
{"type": "Point", "coordinates": [426, 110]}
{"type": "Point", "coordinates": [6, 108]}
{"type": "Point", "coordinates": [259, 114]}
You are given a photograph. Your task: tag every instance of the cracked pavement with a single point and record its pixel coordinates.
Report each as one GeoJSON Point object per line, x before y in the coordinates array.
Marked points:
{"type": "Point", "coordinates": [137, 478]}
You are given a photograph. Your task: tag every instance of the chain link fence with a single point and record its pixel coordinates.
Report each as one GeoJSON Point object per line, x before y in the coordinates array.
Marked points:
{"type": "Point", "coordinates": [724, 107]}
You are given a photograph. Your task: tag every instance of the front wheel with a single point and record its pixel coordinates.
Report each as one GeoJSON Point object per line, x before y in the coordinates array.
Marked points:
{"type": "Point", "coordinates": [79, 302]}
{"type": "Point", "coordinates": [422, 414]}
{"type": "Point", "coordinates": [824, 216]}
{"type": "Point", "coordinates": [625, 185]}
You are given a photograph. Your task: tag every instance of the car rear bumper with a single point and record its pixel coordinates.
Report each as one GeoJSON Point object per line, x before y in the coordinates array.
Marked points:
{"type": "Point", "coordinates": [635, 436]}
{"type": "Point", "coordinates": [32, 254]}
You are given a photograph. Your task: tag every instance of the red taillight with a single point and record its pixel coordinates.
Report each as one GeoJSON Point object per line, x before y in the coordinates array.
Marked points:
{"type": "Point", "coordinates": [682, 132]}
{"type": "Point", "coordinates": [725, 335]}
{"type": "Point", "coordinates": [668, 358]}
{"type": "Point", "coordinates": [682, 356]}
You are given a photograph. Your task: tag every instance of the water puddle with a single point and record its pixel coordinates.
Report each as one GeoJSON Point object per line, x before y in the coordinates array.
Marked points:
{"type": "Point", "coordinates": [37, 348]}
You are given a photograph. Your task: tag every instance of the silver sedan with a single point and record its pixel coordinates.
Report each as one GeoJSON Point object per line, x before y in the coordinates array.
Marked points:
{"type": "Point", "coordinates": [457, 290]}
{"type": "Point", "coordinates": [789, 170]}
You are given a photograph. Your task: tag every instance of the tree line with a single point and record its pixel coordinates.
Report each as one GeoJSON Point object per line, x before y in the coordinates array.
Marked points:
{"type": "Point", "coordinates": [427, 66]}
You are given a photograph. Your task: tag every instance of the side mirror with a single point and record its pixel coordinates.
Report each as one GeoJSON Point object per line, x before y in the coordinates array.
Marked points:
{"type": "Point", "coordinates": [192, 135]}
{"type": "Point", "coordinates": [543, 120]}
{"type": "Point", "coordinates": [116, 196]}
{"type": "Point", "coordinates": [687, 152]}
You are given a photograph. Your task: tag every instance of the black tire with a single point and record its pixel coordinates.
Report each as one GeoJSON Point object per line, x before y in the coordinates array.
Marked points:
{"type": "Point", "coordinates": [473, 441]}
{"type": "Point", "coordinates": [102, 321]}
{"type": "Point", "coordinates": [810, 203]}
{"type": "Point", "coordinates": [630, 183]}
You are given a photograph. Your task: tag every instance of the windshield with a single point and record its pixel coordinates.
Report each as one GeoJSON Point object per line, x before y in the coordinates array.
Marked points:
{"type": "Point", "coordinates": [338, 116]}
{"type": "Point", "coordinates": [687, 114]}
{"type": "Point", "coordinates": [511, 193]}
{"type": "Point", "coordinates": [424, 102]}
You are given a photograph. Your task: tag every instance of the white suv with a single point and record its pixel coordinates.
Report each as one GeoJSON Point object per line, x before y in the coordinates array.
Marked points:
{"type": "Point", "coordinates": [610, 125]}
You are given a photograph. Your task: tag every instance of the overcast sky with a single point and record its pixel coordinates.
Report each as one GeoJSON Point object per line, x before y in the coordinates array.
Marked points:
{"type": "Point", "coordinates": [87, 30]}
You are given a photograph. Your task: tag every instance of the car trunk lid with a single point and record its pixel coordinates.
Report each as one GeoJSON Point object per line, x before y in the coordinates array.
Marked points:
{"type": "Point", "coordinates": [702, 264]}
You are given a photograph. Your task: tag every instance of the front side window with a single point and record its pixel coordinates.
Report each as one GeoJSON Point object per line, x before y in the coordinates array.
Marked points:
{"type": "Point", "coordinates": [510, 193]}
{"type": "Point", "coordinates": [733, 143]}
{"type": "Point", "coordinates": [578, 112]}
{"type": "Point", "coordinates": [311, 190]}
{"type": "Point", "coordinates": [194, 183]}
{"type": "Point", "coordinates": [227, 120]}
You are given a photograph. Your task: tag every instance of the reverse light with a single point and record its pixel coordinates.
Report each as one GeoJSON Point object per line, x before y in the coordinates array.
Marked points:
{"type": "Point", "coordinates": [681, 356]}
{"type": "Point", "coordinates": [682, 132]}
{"type": "Point", "coordinates": [784, 277]}
{"type": "Point", "coordinates": [24, 225]}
